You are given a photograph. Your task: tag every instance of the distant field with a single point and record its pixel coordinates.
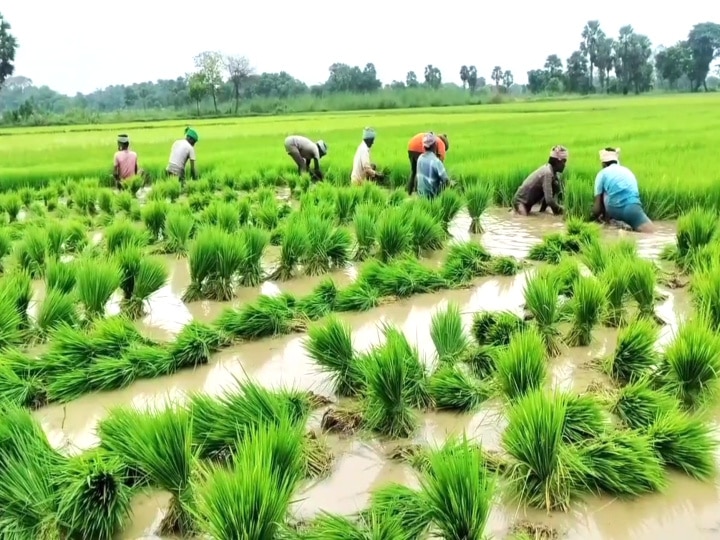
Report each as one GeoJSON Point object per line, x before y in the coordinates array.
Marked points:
{"type": "Point", "coordinates": [671, 142]}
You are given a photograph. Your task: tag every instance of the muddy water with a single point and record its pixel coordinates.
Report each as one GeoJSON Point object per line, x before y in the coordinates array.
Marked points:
{"type": "Point", "coordinates": [361, 465]}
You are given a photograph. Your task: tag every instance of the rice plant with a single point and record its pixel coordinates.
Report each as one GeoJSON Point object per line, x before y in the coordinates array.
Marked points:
{"type": "Point", "coordinates": [96, 281]}
{"type": "Point", "coordinates": [478, 198]}
{"type": "Point", "coordinates": [452, 388]}
{"type": "Point", "coordinates": [642, 287]}
{"type": "Point", "coordinates": [394, 235]}
{"type": "Point", "coordinates": [706, 295]}
{"type": "Point", "coordinates": [616, 278]}
{"type": "Point", "coordinates": [505, 265]}
{"type": "Point", "coordinates": [402, 503]}
{"type": "Point", "coordinates": [541, 300]}
{"type": "Point", "coordinates": [266, 317]}
{"type": "Point", "coordinates": [397, 345]}
{"type": "Point", "coordinates": [57, 309]}
{"type": "Point", "coordinates": [584, 418]}
{"type": "Point", "coordinates": [588, 307]}
{"type": "Point", "coordinates": [292, 250]}
{"type": "Point", "coordinates": [327, 245]}
{"type": "Point", "coordinates": [638, 405]}
{"type": "Point", "coordinates": [522, 365]}
{"type": "Point", "coordinates": [154, 215]}
{"type": "Point", "coordinates": [254, 243]}
{"type": "Point", "coordinates": [32, 252]}
{"type": "Point", "coordinates": [427, 232]}
{"type": "Point", "coordinates": [365, 224]}
{"type": "Point", "coordinates": [448, 334]}
{"type": "Point", "coordinates": [496, 327]}
{"type": "Point", "coordinates": [359, 296]}
{"type": "Point", "coordinates": [320, 302]}
{"type": "Point", "coordinates": [690, 365]}
{"type": "Point", "coordinates": [177, 230]}
{"type": "Point", "coordinates": [122, 232]}
{"type": "Point", "coordinates": [635, 355]}
{"type": "Point", "coordinates": [566, 273]}
{"type": "Point", "coordinates": [150, 276]}
{"type": "Point", "coordinates": [446, 206]}
{"type": "Point", "coordinates": [194, 345]}
{"type": "Point", "coordinates": [551, 249]}
{"type": "Point", "coordinates": [330, 346]}
{"type": "Point", "coordinates": [482, 360]}
{"type": "Point", "coordinates": [402, 277]}
{"type": "Point", "coordinates": [695, 229]}
{"type": "Point", "coordinates": [465, 261]}
{"type": "Point", "coordinates": [215, 258]}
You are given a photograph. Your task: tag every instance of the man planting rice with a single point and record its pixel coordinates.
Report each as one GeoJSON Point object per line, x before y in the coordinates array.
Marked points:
{"type": "Point", "coordinates": [125, 161]}
{"type": "Point", "coordinates": [363, 169]}
{"type": "Point", "coordinates": [416, 149]}
{"type": "Point", "coordinates": [616, 194]}
{"type": "Point", "coordinates": [543, 185]}
{"type": "Point", "coordinates": [182, 151]}
{"type": "Point", "coordinates": [432, 177]}
{"type": "Point", "coordinates": [303, 151]}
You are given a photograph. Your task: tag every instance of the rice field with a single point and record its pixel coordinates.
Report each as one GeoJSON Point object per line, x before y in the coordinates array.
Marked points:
{"type": "Point", "coordinates": [669, 141]}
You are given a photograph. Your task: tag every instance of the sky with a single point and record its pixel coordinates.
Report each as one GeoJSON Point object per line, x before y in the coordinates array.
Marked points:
{"type": "Point", "coordinates": [83, 45]}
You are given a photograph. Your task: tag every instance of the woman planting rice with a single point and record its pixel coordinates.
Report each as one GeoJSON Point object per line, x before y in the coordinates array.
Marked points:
{"type": "Point", "coordinates": [363, 169]}
{"type": "Point", "coordinates": [543, 185]}
{"type": "Point", "coordinates": [416, 149]}
{"type": "Point", "coordinates": [303, 151]}
{"type": "Point", "coordinates": [431, 174]}
{"type": "Point", "coordinates": [182, 151]}
{"type": "Point", "coordinates": [616, 194]}
{"type": "Point", "coordinates": [125, 161]}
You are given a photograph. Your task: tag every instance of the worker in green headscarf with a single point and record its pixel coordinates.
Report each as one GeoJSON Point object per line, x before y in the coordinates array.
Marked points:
{"type": "Point", "coordinates": [182, 151]}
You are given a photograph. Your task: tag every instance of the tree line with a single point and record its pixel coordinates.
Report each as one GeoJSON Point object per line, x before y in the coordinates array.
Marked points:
{"type": "Point", "coordinates": [221, 83]}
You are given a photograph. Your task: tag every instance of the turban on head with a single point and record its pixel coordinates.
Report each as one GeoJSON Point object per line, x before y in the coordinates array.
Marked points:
{"type": "Point", "coordinates": [610, 155]}
{"type": "Point", "coordinates": [322, 146]}
{"type": "Point", "coordinates": [559, 152]}
{"type": "Point", "coordinates": [429, 139]}
{"type": "Point", "coordinates": [123, 139]}
{"type": "Point", "coordinates": [368, 133]}
{"type": "Point", "coordinates": [190, 132]}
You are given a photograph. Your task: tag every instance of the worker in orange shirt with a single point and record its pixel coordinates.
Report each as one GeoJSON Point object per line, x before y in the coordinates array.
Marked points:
{"type": "Point", "coordinates": [416, 149]}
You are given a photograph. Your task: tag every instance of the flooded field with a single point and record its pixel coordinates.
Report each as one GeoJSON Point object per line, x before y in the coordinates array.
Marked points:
{"type": "Point", "coordinates": [688, 508]}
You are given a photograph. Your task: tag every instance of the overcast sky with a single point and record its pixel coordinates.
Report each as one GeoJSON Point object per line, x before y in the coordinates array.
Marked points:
{"type": "Point", "coordinates": [82, 45]}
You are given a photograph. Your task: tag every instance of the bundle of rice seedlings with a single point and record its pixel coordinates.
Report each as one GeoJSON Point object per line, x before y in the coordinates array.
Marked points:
{"type": "Point", "coordinates": [319, 232]}
{"type": "Point", "coordinates": [635, 355]}
{"type": "Point", "coordinates": [403, 503]}
{"type": "Point", "coordinates": [522, 365]}
{"type": "Point", "coordinates": [267, 214]}
{"type": "Point", "coordinates": [587, 306]}
{"type": "Point", "coordinates": [453, 388]}
{"type": "Point", "coordinates": [541, 300]}
{"type": "Point", "coordinates": [551, 249]}
{"type": "Point", "coordinates": [11, 322]}
{"type": "Point", "coordinates": [642, 287]}
{"type": "Point", "coordinates": [18, 288]}
{"type": "Point", "coordinates": [595, 255]}
{"type": "Point", "coordinates": [96, 281]}
{"type": "Point", "coordinates": [705, 288]}
{"type": "Point", "coordinates": [359, 296]}
{"type": "Point", "coordinates": [478, 197]}
{"type": "Point", "coordinates": [251, 499]}
{"type": "Point", "coordinates": [254, 242]}
{"type": "Point", "coordinates": [292, 250]}
{"type": "Point", "coordinates": [416, 377]}
{"type": "Point", "coordinates": [153, 215]}
{"type": "Point", "coordinates": [159, 444]}
{"type": "Point", "coordinates": [56, 310]}
{"type": "Point", "coordinates": [465, 262]}
{"type": "Point", "coordinates": [543, 472]}
{"type": "Point", "coordinates": [496, 327]}
{"type": "Point", "coordinates": [266, 317]}
{"type": "Point", "coordinates": [330, 346]}
{"type": "Point", "coordinates": [427, 232]}
{"type": "Point", "coordinates": [215, 258]}
{"type": "Point", "coordinates": [616, 278]}
{"type": "Point", "coordinates": [389, 397]}
{"type": "Point", "coordinates": [93, 499]}
{"type": "Point", "coordinates": [12, 204]}
{"type": "Point", "coordinates": [365, 224]}
{"type": "Point", "coordinates": [194, 345]}
{"type": "Point", "coordinates": [150, 277]}
{"type": "Point", "coordinates": [177, 229]}
{"type": "Point", "coordinates": [584, 418]}
{"type": "Point", "coordinates": [505, 265]}
{"type": "Point", "coordinates": [60, 276]}
{"type": "Point", "coordinates": [685, 443]}
{"type": "Point", "coordinates": [345, 201]}
{"type": "Point", "coordinates": [368, 525]}
{"type": "Point", "coordinates": [320, 302]}
{"type": "Point", "coordinates": [446, 206]}
{"type": "Point", "coordinates": [582, 231]}
{"type": "Point", "coordinates": [5, 246]}
{"type": "Point", "coordinates": [566, 273]}
{"type": "Point", "coordinates": [148, 361]}
{"type": "Point", "coordinates": [623, 464]}
{"type": "Point", "coordinates": [448, 334]}
{"type": "Point", "coordinates": [19, 387]}
{"type": "Point", "coordinates": [122, 232]}
{"type": "Point", "coordinates": [695, 229]}
{"type": "Point", "coordinates": [402, 277]}
{"type": "Point", "coordinates": [638, 404]}
{"type": "Point", "coordinates": [57, 234]}
{"type": "Point", "coordinates": [482, 360]}
{"type": "Point", "coordinates": [394, 234]}
{"type": "Point", "coordinates": [458, 490]}
{"type": "Point", "coordinates": [690, 366]}
{"type": "Point", "coordinates": [32, 252]}
{"type": "Point", "coordinates": [76, 239]}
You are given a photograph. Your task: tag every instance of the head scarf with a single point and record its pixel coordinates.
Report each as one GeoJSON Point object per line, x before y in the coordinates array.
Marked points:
{"type": "Point", "coordinates": [429, 139]}
{"type": "Point", "coordinates": [608, 155]}
{"type": "Point", "coordinates": [559, 152]}
{"type": "Point", "coordinates": [190, 132]}
{"type": "Point", "coordinates": [322, 146]}
{"type": "Point", "coordinates": [368, 133]}
{"type": "Point", "coordinates": [123, 139]}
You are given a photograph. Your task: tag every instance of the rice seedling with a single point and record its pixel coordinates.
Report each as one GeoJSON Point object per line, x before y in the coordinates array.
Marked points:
{"type": "Point", "coordinates": [121, 233]}
{"type": "Point", "coordinates": [690, 365]}
{"type": "Point", "coordinates": [505, 266]}
{"type": "Point", "coordinates": [448, 334]}
{"type": "Point", "coordinates": [266, 317]}
{"type": "Point", "coordinates": [254, 242]}
{"type": "Point", "coordinates": [11, 322]}
{"type": "Point", "coordinates": [543, 472]}
{"type": "Point", "coordinates": [541, 300]}
{"type": "Point", "coordinates": [57, 309]}
{"type": "Point", "coordinates": [403, 503]}
{"type": "Point", "coordinates": [638, 404]}
{"type": "Point", "coordinates": [459, 491]}
{"type": "Point", "coordinates": [18, 287]}
{"type": "Point", "coordinates": [93, 499]}
{"type": "Point", "coordinates": [330, 346]}
{"type": "Point", "coordinates": [326, 245]}
{"type": "Point", "coordinates": [154, 215]}
{"type": "Point", "coordinates": [19, 385]}
{"type": "Point", "coordinates": [56, 237]}
{"type": "Point", "coordinates": [642, 287]}
{"type": "Point", "coordinates": [96, 280]}
{"type": "Point", "coordinates": [365, 224]}
{"type": "Point", "coordinates": [159, 444]}
{"type": "Point", "coordinates": [588, 307]}
{"type": "Point", "coordinates": [292, 250]}
{"type": "Point", "coordinates": [215, 258]}
{"type": "Point", "coordinates": [522, 365]}
{"type": "Point", "coordinates": [482, 360]}
{"type": "Point", "coordinates": [705, 286]}
{"type": "Point", "coordinates": [194, 345]}
{"type": "Point", "coordinates": [397, 345]}
{"type": "Point", "coordinates": [616, 278]}
{"type": "Point", "coordinates": [427, 232]}
{"type": "Point", "coordinates": [496, 327]}
{"type": "Point", "coordinates": [359, 296]}
{"type": "Point", "coordinates": [76, 239]}
{"type": "Point", "coordinates": [584, 418]}
{"type": "Point", "coordinates": [320, 302]}
{"type": "Point", "coordinates": [12, 204]}
{"type": "Point", "coordinates": [394, 235]}
{"type": "Point", "coordinates": [635, 355]}
{"type": "Point", "coordinates": [551, 249]}
{"type": "Point", "coordinates": [566, 273]}
{"type": "Point", "coordinates": [5, 246]}
{"type": "Point", "coordinates": [177, 231]}
{"type": "Point", "coordinates": [150, 277]}
{"type": "Point", "coordinates": [478, 197]}
{"type": "Point", "coordinates": [452, 388]}
{"type": "Point", "coordinates": [446, 206]}
{"type": "Point", "coordinates": [402, 277]}
{"type": "Point", "coordinates": [370, 525]}
{"type": "Point", "coordinates": [695, 229]}
{"type": "Point", "coordinates": [465, 261]}
{"type": "Point", "coordinates": [685, 443]}
{"type": "Point", "coordinates": [267, 214]}
{"type": "Point", "coordinates": [31, 252]}
{"type": "Point", "coordinates": [623, 464]}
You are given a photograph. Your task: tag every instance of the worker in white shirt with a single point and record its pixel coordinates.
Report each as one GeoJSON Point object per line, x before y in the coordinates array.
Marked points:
{"type": "Point", "coordinates": [182, 151]}
{"type": "Point", "coordinates": [363, 169]}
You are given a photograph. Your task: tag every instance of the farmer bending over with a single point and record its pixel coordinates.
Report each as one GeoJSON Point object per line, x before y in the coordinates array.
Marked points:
{"type": "Point", "coordinates": [616, 194]}
{"type": "Point", "coordinates": [125, 161]}
{"type": "Point", "coordinates": [542, 185]}
{"type": "Point", "coordinates": [303, 150]}
{"type": "Point", "coordinates": [363, 169]}
{"type": "Point", "coordinates": [183, 150]}
{"type": "Point", "coordinates": [431, 175]}
{"type": "Point", "coordinates": [415, 149]}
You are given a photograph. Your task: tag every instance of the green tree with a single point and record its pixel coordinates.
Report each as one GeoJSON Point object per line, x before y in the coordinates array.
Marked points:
{"type": "Point", "coordinates": [554, 66]}
{"type": "Point", "coordinates": [604, 60]}
{"type": "Point", "coordinates": [578, 73]}
{"type": "Point", "coordinates": [198, 88]}
{"type": "Point", "coordinates": [239, 70]}
{"type": "Point", "coordinates": [411, 80]}
{"type": "Point", "coordinates": [210, 65]}
{"type": "Point", "coordinates": [496, 76]}
{"type": "Point", "coordinates": [508, 79]}
{"type": "Point", "coordinates": [592, 34]}
{"type": "Point", "coordinates": [8, 46]}
{"type": "Point", "coordinates": [472, 79]}
{"type": "Point", "coordinates": [537, 80]}
{"type": "Point", "coordinates": [464, 76]}
{"type": "Point", "coordinates": [433, 77]}
{"type": "Point", "coordinates": [674, 62]}
{"type": "Point", "coordinates": [704, 43]}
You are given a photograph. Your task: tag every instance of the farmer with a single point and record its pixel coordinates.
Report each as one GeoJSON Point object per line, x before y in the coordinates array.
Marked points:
{"type": "Point", "coordinates": [616, 194]}
{"type": "Point", "coordinates": [303, 150]}
{"type": "Point", "coordinates": [125, 161]}
{"type": "Point", "coordinates": [183, 150]}
{"type": "Point", "coordinates": [542, 185]}
{"type": "Point", "coordinates": [415, 149]}
{"type": "Point", "coordinates": [363, 169]}
{"type": "Point", "coordinates": [431, 175]}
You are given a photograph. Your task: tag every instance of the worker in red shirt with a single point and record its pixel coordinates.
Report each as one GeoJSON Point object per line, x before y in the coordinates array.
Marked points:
{"type": "Point", "coordinates": [416, 149]}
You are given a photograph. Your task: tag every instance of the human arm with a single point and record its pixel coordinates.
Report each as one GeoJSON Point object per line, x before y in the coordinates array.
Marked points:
{"type": "Point", "coordinates": [316, 165]}
{"type": "Point", "coordinates": [598, 209]}
{"type": "Point", "coordinates": [191, 158]}
{"type": "Point", "coordinates": [548, 195]}
{"type": "Point", "coordinates": [116, 169]}
{"type": "Point", "coordinates": [367, 165]}
{"type": "Point", "coordinates": [443, 179]}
